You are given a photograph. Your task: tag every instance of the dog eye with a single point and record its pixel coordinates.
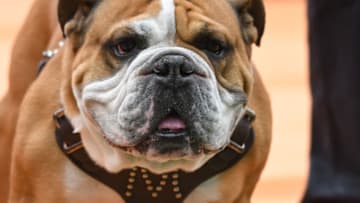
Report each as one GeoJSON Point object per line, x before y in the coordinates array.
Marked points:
{"type": "Point", "coordinates": [212, 46]}
{"type": "Point", "coordinates": [215, 47]}
{"type": "Point", "coordinates": [125, 47]}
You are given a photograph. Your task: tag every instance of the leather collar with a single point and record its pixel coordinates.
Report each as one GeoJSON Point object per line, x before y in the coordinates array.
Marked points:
{"type": "Point", "coordinates": [139, 185]}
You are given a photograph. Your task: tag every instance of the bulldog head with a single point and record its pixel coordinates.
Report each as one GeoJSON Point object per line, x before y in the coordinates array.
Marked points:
{"type": "Point", "coordinates": [158, 84]}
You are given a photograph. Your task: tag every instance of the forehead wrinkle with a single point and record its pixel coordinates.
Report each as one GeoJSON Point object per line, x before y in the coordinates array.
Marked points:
{"type": "Point", "coordinates": [110, 14]}
{"type": "Point", "coordinates": [193, 23]}
{"type": "Point", "coordinates": [216, 16]}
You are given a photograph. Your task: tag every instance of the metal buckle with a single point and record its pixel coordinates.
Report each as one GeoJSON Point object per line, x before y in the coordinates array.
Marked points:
{"type": "Point", "coordinates": [250, 114]}
{"type": "Point", "coordinates": [236, 147]}
{"type": "Point", "coordinates": [72, 148]}
{"type": "Point", "coordinates": [57, 116]}
{"type": "Point", "coordinates": [68, 149]}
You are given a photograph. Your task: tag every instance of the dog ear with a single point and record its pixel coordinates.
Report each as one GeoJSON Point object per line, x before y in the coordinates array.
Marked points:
{"type": "Point", "coordinates": [251, 14]}
{"type": "Point", "coordinates": [75, 11]}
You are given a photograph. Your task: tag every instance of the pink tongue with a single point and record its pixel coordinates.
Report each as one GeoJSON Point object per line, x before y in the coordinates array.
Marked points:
{"type": "Point", "coordinates": [172, 124]}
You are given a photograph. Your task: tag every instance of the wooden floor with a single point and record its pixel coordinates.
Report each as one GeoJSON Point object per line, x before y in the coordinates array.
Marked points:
{"type": "Point", "coordinates": [282, 61]}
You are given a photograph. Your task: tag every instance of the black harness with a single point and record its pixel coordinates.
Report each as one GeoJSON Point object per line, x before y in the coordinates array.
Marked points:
{"type": "Point", "coordinates": [138, 185]}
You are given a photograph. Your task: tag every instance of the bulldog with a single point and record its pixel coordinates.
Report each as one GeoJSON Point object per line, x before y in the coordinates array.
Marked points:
{"type": "Point", "coordinates": [154, 86]}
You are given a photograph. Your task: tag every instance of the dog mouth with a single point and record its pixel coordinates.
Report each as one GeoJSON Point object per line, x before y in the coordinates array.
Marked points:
{"type": "Point", "coordinates": [171, 126]}
{"type": "Point", "coordinates": [172, 138]}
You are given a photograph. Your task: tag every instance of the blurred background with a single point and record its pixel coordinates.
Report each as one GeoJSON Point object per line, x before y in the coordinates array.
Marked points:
{"type": "Point", "coordinates": [282, 61]}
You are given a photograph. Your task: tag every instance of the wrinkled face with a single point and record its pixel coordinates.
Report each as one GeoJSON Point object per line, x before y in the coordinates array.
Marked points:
{"type": "Point", "coordinates": [159, 84]}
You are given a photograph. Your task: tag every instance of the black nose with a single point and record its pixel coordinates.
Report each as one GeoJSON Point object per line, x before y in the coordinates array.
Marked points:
{"type": "Point", "coordinates": [173, 66]}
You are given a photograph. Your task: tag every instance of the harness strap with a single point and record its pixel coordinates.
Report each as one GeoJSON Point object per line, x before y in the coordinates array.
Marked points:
{"type": "Point", "coordinates": [139, 185]}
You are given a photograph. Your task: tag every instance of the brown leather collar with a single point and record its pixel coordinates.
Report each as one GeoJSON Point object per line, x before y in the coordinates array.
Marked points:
{"type": "Point", "coordinates": [138, 185]}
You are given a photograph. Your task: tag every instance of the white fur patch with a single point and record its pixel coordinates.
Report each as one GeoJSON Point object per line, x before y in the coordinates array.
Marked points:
{"type": "Point", "coordinates": [208, 191]}
{"type": "Point", "coordinates": [160, 29]}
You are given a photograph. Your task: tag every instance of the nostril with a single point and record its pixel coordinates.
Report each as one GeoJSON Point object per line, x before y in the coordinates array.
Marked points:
{"type": "Point", "coordinates": [186, 70]}
{"type": "Point", "coordinates": [174, 66]}
{"type": "Point", "coordinates": [161, 70]}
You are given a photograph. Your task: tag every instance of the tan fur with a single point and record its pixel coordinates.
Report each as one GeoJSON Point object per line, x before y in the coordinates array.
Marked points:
{"type": "Point", "coordinates": [38, 167]}
{"type": "Point", "coordinates": [24, 59]}
{"type": "Point", "coordinates": [192, 17]}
